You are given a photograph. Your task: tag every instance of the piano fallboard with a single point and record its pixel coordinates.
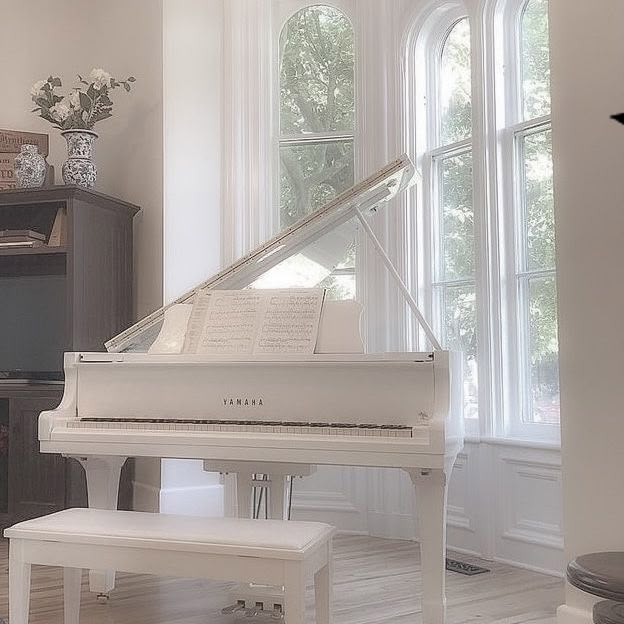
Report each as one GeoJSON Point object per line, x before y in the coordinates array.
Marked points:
{"type": "Point", "coordinates": [352, 389]}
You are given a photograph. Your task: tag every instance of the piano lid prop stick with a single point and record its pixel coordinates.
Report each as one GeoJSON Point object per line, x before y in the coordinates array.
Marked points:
{"type": "Point", "coordinates": [400, 283]}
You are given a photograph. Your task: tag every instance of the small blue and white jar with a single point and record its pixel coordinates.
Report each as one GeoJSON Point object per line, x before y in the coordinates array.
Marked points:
{"type": "Point", "coordinates": [30, 167]}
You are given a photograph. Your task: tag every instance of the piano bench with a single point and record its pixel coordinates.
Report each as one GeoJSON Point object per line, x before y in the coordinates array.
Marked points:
{"type": "Point", "coordinates": [268, 552]}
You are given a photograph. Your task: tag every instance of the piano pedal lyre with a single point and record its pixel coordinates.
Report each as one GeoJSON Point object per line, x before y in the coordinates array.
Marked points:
{"type": "Point", "coordinates": [102, 598]}
{"type": "Point", "coordinates": [240, 609]}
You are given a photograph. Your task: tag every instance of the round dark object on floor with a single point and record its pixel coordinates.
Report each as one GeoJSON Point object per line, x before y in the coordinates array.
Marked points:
{"type": "Point", "coordinates": [609, 612]}
{"type": "Point", "coordinates": [600, 574]}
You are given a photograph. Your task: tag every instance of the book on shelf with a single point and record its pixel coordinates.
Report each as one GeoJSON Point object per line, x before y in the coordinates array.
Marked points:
{"type": "Point", "coordinates": [21, 238]}
{"type": "Point", "coordinates": [57, 234]}
{"type": "Point", "coordinates": [11, 141]}
{"type": "Point", "coordinates": [7, 171]}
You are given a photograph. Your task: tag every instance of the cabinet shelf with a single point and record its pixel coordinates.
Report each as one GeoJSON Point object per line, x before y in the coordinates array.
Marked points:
{"type": "Point", "coordinates": [44, 250]}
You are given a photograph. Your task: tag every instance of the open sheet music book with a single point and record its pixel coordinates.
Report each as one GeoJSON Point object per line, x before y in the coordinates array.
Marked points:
{"type": "Point", "coordinates": [253, 322]}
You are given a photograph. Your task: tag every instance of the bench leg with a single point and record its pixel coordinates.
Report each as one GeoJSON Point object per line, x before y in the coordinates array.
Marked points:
{"type": "Point", "coordinates": [19, 584]}
{"type": "Point", "coordinates": [294, 594]}
{"type": "Point", "coordinates": [323, 592]}
{"type": "Point", "coordinates": [72, 580]}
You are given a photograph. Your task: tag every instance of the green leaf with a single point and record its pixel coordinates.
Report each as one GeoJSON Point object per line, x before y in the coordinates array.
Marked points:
{"type": "Point", "coordinates": [101, 115]}
{"type": "Point", "coordinates": [132, 79]}
{"type": "Point", "coordinates": [126, 86]}
{"type": "Point", "coordinates": [56, 82]}
{"type": "Point", "coordinates": [85, 102]}
{"type": "Point", "coordinates": [91, 92]}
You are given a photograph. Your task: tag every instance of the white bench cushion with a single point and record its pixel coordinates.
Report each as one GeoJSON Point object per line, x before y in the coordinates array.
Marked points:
{"type": "Point", "coordinates": [271, 538]}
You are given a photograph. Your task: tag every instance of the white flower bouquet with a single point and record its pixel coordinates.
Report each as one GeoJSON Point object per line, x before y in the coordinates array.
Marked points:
{"type": "Point", "coordinates": [83, 107]}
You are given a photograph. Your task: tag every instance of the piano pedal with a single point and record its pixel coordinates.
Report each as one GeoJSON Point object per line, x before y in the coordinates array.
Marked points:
{"type": "Point", "coordinates": [239, 605]}
{"type": "Point", "coordinates": [278, 612]}
{"type": "Point", "coordinates": [102, 598]}
{"type": "Point", "coordinates": [240, 609]}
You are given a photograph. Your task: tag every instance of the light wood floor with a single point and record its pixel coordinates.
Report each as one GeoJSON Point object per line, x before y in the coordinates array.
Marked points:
{"type": "Point", "coordinates": [375, 581]}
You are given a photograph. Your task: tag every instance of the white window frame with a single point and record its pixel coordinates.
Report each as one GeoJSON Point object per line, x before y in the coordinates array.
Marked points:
{"type": "Point", "coordinates": [287, 10]}
{"type": "Point", "coordinates": [425, 142]}
{"type": "Point", "coordinates": [512, 129]}
{"type": "Point", "coordinates": [498, 129]}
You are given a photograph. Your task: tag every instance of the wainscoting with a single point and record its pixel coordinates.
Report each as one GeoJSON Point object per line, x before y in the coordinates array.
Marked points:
{"type": "Point", "coordinates": [504, 502]}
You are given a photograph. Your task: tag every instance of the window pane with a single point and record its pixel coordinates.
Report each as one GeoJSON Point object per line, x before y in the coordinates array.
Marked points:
{"type": "Point", "coordinates": [456, 221]}
{"type": "Point", "coordinates": [311, 175]}
{"type": "Point", "coordinates": [459, 315]}
{"type": "Point", "coordinates": [535, 60]}
{"type": "Point", "coordinates": [543, 360]}
{"type": "Point", "coordinates": [339, 286]}
{"type": "Point", "coordinates": [456, 118]}
{"type": "Point", "coordinates": [316, 72]}
{"type": "Point", "coordinates": [539, 218]}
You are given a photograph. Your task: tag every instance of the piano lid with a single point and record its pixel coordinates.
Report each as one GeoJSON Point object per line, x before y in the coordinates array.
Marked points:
{"type": "Point", "coordinates": [302, 255]}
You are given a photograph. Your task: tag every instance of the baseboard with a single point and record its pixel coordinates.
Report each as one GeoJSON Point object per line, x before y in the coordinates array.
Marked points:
{"type": "Point", "coordinates": [527, 566]}
{"type": "Point", "coordinates": [202, 500]}
{"type": "Point", "coordinates": [391, 526]}
{"type": "Point", "coordinates": [571, 615]}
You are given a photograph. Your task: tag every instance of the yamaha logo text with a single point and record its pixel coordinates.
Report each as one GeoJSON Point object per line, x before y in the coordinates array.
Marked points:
{"type": "Point", "coordinates": [242, 402]}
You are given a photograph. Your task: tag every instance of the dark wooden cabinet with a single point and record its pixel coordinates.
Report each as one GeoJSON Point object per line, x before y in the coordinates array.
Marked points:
{"type": "Point", "coordinates": [72, 296]}
{"type": "Point", "coordinates": [36, 483]}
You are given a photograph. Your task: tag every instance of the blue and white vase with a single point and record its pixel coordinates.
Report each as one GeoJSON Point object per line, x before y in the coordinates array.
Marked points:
{"type": "Point", "coordinates": [79, 167]}
{"type": "Point", "coordinates": [30, 167]}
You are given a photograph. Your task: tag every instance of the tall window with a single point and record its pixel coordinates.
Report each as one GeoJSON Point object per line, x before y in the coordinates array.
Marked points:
{"type": "Point", "coordinates": [450, 166]}
{"type": "Point", "coordinates": [534, 242]}
{"type": "Point", "coordinates": [499, 276]}
{"type": "Point", "coordinates": [317, 121]}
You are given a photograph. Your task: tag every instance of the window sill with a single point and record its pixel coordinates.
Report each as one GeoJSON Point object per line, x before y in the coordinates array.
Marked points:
{"type": "Point", "coordinates": [517, 442]}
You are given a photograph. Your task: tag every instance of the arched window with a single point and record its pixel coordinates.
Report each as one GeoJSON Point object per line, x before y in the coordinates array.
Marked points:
{"type": "Point", "coordinates": [491, 261]}
{"type": "Point", "coordinates": [317, 121]}
{"type": "Point", "coordinates": [448, 167]}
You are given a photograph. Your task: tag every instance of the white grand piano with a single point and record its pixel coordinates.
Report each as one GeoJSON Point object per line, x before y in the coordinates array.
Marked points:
{"type": "Point", "coordinates": [339, 406]}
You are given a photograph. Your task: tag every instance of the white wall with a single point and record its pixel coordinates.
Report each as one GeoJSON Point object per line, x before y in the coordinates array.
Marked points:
{"type": "Point", "coordinates": [588, 87]}
{"type": "Point", "coordinates": [192, 92]}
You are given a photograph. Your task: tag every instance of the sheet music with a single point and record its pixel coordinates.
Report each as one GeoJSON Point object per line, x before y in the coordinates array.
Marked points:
{"type": "Point", "coordinates": [290, 321]}
{"type": "Point", "coordinates": [245, 322]}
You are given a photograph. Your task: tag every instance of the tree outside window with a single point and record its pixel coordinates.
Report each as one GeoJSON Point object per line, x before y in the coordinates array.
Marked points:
{"type": "Point", "coordinates": [317, 121]}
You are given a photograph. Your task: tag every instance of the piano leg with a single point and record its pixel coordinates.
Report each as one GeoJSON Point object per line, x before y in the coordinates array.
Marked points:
{"type": "Point", "coordinates": [102, 491]}
{"type": "Point", "coordinates": [431, 492]}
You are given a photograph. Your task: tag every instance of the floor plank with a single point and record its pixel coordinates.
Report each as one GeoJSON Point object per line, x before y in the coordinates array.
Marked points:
{"type": "Point", "coordinates": [376, 581]}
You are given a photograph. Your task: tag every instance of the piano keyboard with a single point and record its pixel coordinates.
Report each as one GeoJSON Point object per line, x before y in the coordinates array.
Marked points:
{"type": "Point", "coordinates": [245, 426]}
